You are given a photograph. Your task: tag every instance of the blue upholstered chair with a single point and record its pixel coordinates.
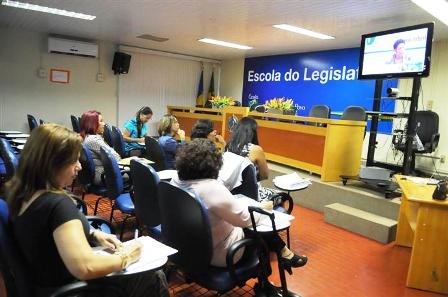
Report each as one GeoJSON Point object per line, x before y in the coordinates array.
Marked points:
{"type": "Point", "coordinates": [118, 142]}
{"type": "Point", "coordinates": [115, 187]}
{"type": "Point", "coordinates": [154, 152]}
{"type": "Point", "coordinates": [75, 123]}
{"type": "Point", "coordinates": [9, 157]}
{"type": "Point", "coordinates": [107, 135]}
{"type": "Point", "coordinates": [32, 122]}
{"type": "Point", "coordinates": [86, 177]}
{"type": "Point", "coordinates": [17, 279]}
{"type": "Point", "coordinates": [145, 183]}
{"type": "Point", "coordinates": [186, 227]}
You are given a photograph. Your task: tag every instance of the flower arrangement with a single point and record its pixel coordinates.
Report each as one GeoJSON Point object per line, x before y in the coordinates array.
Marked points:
{"type": "Point", "coordinates": [222, 101]}
{"type": "Point", "coordinates": [280, 104]}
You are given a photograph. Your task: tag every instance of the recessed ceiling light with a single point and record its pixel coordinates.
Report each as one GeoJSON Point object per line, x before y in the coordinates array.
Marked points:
{"type": "Point", "coordinates": [224, 43]}
{"type": "Point", "coordinates": [438, 8]}
{"type": "Point", "coordinates": [302, 31]}
{"type": "Point", "coordinates": [35, 7]}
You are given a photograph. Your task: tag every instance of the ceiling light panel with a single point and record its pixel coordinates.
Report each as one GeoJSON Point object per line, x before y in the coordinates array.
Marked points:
{"type": "Point", "coordinates": [225, 43]}
{"type": "Point", "coordinates": [45, 9]}
{"type": "Point", "coordinates": [302, 31]}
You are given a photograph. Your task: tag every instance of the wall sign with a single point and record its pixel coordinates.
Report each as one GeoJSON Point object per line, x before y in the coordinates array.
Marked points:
{"type": "Point", "coordinates": [59, 76]}
{"type": "Point", "coordinates": [325, 77]}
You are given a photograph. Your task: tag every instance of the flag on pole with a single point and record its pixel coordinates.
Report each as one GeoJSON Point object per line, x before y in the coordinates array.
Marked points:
{"type": "Point", "coordinates": [211, 89]}
{"type": "Point", "coordinates": [200, 100]}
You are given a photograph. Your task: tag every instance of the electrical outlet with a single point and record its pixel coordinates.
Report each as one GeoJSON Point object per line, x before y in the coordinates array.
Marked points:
{"type": "Point", "coordinates": [442, 159]}
{"type": "Point", "coordinates": [429, 104]}
{"type": "Point", "coordinates": [99, 77]}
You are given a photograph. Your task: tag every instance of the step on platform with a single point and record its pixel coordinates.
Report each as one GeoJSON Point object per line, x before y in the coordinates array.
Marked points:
{"type": "Point", "coordinates": [365, 223]}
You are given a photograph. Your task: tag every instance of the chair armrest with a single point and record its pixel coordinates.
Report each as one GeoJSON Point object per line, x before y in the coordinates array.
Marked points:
{"type": "Point", "coordinates": [82, 286]}
{"type": "Point", "coordinates": [261, 250]}
{"type": "Point", "coordinates": [279, 200]}
{"type": "Point", "coordinates": [96, 222]}
{"type": "Point", "coordinates": [435, 141]}
{"type": "Point", "coordinates": [271, 216]}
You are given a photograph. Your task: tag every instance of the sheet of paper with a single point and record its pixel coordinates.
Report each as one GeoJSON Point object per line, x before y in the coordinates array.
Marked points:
{"type": "Point", "coordinates": [291, 182]}
{"type": "Point", "coordinates": [127, 161]}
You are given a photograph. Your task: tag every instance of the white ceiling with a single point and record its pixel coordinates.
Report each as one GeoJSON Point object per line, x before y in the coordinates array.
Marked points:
{"type": "Point", "coordinates": [246, 22]}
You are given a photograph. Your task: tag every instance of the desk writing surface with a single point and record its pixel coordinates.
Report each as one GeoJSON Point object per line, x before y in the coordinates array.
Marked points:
{"type": "Point", "coordinates": [127, 161]}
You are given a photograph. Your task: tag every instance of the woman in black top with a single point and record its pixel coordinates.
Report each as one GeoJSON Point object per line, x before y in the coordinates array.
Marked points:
{"type": "Point", "coordinates": [51, 232]}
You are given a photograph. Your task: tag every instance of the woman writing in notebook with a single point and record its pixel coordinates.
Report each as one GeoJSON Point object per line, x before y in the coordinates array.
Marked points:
{"type": "Point", "coordinates": [53, 235]}
{"type": "Point", "coordinates": [135, 130]}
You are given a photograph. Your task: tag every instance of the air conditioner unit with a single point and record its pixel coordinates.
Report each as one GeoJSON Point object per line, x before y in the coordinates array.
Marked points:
{"type": "Point", "coordinates": [72, 47]}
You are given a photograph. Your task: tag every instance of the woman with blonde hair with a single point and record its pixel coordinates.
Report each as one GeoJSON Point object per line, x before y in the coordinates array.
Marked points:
{"type": "Point", "coordinates": [53, 235]}
{"type": "Point", "coordinates": [168, 130]}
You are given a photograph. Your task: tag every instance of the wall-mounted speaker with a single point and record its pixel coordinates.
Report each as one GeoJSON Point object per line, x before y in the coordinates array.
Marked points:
{"type": "Point", "coordinates": [121, 63]}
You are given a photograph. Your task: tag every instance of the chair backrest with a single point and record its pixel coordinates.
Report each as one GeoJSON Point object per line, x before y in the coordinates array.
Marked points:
{"type": "Point", "coordinates": [32, 122]}
{"type": "Point", "coordinates": [354, 113]}
{"type": "Point", "coordinates": [118, 141]}
{"type": "Point", "coordinates": [87, 173]}
{"type": "Point", "coordinates": [249, 185]}
{"type": "Point", "coordinates": [320, 111]}
{"type": "Point", "coordinates": [10, 159]}
{"type": "Point", "coordinates": [427, 124]}
{"type": "Point", "coordinates": [13, 268]}
{"type": "Point", "coordinates": [154, 152]}
{"type": "Point", "coordinates": [107, 135]}
{"type": "Point", "coordinates": [145, 184]}
{"type": "Point", "coordinates": [185, 227]}
{"type": "Point", "coordinates": [75, 123]}
{"type": "Point", "coordinates": [112, 174]}
{"type": "Point", "coordinates": [41, 122]}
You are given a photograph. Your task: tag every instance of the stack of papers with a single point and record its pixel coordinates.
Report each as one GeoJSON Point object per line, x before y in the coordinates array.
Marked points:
{"type": "Point", "coordinates": [291, 182]}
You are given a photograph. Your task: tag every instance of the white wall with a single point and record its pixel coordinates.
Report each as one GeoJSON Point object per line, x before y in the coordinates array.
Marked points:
{"type": "Point", "coordinates": [232, 72]}
{"type": "Point", "coordinates": [434, 88]}
{"type": "Point", "coordinates": [23, 92]}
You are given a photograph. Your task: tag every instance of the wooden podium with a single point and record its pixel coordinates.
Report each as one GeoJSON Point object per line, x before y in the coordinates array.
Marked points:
{"type": "Point", "coordinates": [423, 226]}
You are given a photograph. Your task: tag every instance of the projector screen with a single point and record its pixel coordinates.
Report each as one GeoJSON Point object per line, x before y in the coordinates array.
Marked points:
{"type": "Point", "coordinates": [402, 52]}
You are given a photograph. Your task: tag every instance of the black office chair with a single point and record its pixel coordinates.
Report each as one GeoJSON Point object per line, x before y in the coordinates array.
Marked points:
{"type": "Point", "coordinates": [32, 122]}
{"type": "Point", "coordinates": [154, 152]}
{"type": "Point", "coordinates": [427, 129]}
{"type": "Point", "coordinates": [75, 123]}
{"type": "Point", "coordinates": [354, 113]}
{"type": "Point", "coordinates": [17, 277]}
{"type": "Point", "coordinates": [249, 185]}
{"type": "Point", "coordinates": [107, 135]}
{"type": "Point", "coordinates": [118, 141]}
{"type": "Point", "coordinates": [186, 227]}
{"type": "Point", "coordinates": [121, 200]}
{"type": "Point", "coordinates": [319, 111]}
{"type": "Point", "coordinates": [146, 181]}
{"type": "Point", "coordinates": [41, 122]}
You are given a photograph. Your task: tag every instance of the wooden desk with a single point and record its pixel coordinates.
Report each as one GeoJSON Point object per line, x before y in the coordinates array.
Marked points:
{"type": "Point", "coordinates": [423, 225]}
{"type": "Point", "coordinates": [330, 148]}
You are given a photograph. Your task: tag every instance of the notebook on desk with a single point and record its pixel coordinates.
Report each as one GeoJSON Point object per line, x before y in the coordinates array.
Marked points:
{"type": "Point", "coordinates": [127, 161]}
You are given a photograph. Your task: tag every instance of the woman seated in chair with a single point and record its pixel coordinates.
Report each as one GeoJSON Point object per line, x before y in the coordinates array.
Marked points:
{"type": "Point", "coordinates": [204, 129]}
{"type": "Point", "coordinates": [168, 131]}
{"type": "Point", "coordinates": [198, 163]}
{"type": "Point", "coordinates": [135, 130]}
{"type": "Point", "coordinates": [244, 142]}
{"type": "Point", "coordinates": [92, 128]}
{"type": "Point", "coordinates": [53, 235]}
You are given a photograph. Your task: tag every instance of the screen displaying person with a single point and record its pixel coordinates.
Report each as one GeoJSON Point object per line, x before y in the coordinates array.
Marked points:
{"type": "Point", "coordinates": [400, 60]}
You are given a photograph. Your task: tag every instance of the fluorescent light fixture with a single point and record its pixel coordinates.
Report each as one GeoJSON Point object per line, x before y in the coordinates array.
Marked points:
{"type": "Point", "coordinates": [302, 31]}
{"type": "Point", "coordinates": [35, 7]}
{"type": "Point", "coordinates": [438, 8]}
{"type": "Point", "coordinates": [224, 43]}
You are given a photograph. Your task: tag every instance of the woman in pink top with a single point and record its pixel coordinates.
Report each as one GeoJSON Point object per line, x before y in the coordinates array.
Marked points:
{"type": "Point", "coordinates": [198, 163]}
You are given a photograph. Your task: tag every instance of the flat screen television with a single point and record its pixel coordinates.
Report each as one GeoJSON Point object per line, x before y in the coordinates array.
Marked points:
{"type": "Point", "coordinates": [401, 52]}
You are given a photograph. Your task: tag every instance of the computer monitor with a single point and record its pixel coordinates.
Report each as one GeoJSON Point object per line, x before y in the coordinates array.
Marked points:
{"type": "Point", "coordinates": [401, 52]}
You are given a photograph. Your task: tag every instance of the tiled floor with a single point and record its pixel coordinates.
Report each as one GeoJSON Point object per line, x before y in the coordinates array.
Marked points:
{"type": "Point", "coordinates": [341, 263]}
